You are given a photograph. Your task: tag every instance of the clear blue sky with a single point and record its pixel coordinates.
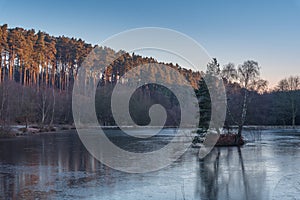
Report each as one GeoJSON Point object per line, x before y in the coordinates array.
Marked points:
{"type": "Point", "coordinates": [232, 31]}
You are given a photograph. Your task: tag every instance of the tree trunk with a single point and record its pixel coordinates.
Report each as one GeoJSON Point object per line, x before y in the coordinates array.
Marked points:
{"type": "Point", "coordinates": [0, 66]}
{"type": "Point", "coordinates": [25, 76]}
{"type": "Point", "coordinates": [43, 107]}
{"type": "Point", "coordinates": [11, 67]}
{"type": "Point", "coordinates": [1, 74]}
{"type": "Point", "coordinates": [53, 106]}
{"type": "Point", "coordinates": [37, 74]}
{"type": "Point", "coordinates": [244, 114]}
{"type": "Point", "coordinates": [46, 81]}
{"type": "Point", "coordinates": [41, 82]}
{"type": "Point", "coordinates": [21, 73]}
{"type": "Point", "coordinates": [53, 75]}
{"type": "Point", "coordinates": [240, 130]}
{"type": "Point", "coordinates": [294, 119]}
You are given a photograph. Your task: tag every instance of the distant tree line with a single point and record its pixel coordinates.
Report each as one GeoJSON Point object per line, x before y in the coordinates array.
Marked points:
{"type": "Point", "coordinates": [37, 73]}
{"type": "Point", "coordinates": [279, 106]}
{"type": "Point", "coordinates": [249, 100]}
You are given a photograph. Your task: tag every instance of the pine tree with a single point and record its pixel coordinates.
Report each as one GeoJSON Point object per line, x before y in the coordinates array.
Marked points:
{"type": "Point", "coordinates": [3, 49]}
{"type": "Point", "coordinates": [204, 102]}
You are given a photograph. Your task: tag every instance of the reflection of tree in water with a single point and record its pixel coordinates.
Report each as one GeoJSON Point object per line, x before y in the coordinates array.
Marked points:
{"type": "Point", "coordinates": [209, 167]}
{"type": "Point", "coordinates": [228, 174]}
{"type": "Point", "coordinates": [45, 163]}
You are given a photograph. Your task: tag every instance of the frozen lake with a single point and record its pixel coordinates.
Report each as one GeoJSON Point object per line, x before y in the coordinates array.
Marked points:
{"type": "Point", "coordinates": [57, 166]}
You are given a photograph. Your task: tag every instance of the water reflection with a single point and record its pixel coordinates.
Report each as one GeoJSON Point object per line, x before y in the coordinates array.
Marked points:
{"type": "Point", "coordinates": [38, 163]}
{"type": "Point", "coordinates": [57, 166]}
{"type": "Point", "coordinates": [223, 174]}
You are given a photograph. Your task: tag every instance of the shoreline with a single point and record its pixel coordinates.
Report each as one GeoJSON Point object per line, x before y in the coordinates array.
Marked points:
{"type": "Point", "coordinates": [33, 129]}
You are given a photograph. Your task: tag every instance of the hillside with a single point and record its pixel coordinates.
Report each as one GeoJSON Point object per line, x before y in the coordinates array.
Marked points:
{"type": "Point", "coordinates": [37, 58]}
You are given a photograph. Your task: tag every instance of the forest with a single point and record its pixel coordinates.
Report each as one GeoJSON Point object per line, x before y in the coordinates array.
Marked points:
{"type": "Point", "coordinates": [37, 73]}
